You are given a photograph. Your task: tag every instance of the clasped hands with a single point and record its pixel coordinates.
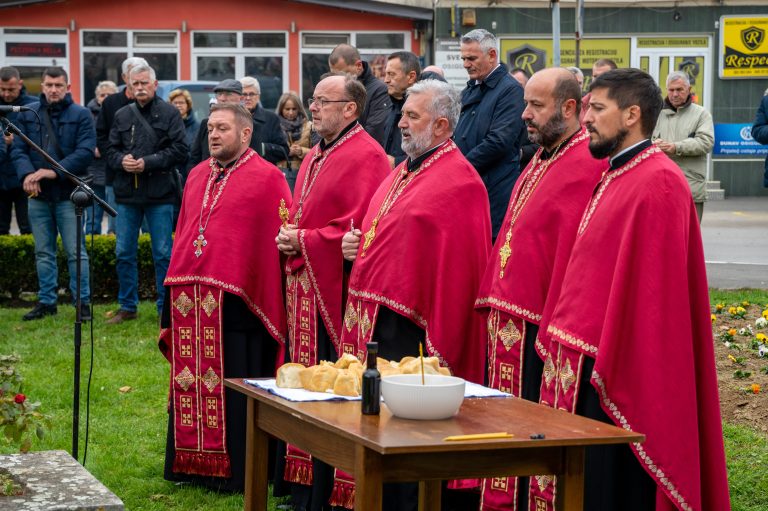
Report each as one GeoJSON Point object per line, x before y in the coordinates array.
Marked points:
{"type": "Point", "coordinates": [132, 165]}
{"type": "Point", "coordinates": [31, 183]}
{"type": "Point", "coordinates": [287, 240]}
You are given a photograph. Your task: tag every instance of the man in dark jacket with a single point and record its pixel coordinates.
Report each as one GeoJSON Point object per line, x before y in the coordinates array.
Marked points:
{"type": "Point", "coordinates": [346, 59]}
{"type": "Point", "coordinates": [267, 139]}
{"type": "Point", "coordinates": [12, 93]}
{"type": "Point", "coordinates": [147, 144]}
{"type": "Point", "coordinates": [98, 167]}
{"type": "Point", "coordinates": [760, 130]}
{"type": "Point", "coordinates": [402, 71]}
{"type": "Point", "coordinates": [490, 123]}
{"type": "Point", "coordinates": [66, 132]}
{"type": "Point", "coordinates": [227, 91]}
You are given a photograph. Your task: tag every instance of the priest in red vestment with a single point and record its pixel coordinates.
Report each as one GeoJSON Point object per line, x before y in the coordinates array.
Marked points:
{"type": "Point", "coordinates": [629, 340]}
{"type": "Point", "coordinates": [420, 253]}
{"type": "Point", "coordinates": [223, 316]}
{"type": "Point", "coordinates": [528, 261]}
{"type": "Point", "coordinates": [333, 187]}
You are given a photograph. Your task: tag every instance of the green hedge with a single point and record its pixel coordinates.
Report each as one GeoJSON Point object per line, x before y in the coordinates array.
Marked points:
{"type": "Point", "coordinates": [17, 260]}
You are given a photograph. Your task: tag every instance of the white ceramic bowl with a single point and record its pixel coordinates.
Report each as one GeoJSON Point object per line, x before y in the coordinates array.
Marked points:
{"type": "Point", "coordinates": [439, 398]}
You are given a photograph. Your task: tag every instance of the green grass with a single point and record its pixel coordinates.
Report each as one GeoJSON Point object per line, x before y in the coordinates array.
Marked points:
{"type": "Point", "coordinates": [127, 430]}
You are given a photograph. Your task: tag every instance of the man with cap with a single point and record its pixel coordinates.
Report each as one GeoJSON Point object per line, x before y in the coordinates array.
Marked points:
{"type": "Point", "coordinates": [227, 91]}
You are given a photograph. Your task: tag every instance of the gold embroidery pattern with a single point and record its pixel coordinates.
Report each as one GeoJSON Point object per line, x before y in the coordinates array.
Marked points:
{"type": "Point", "coordinates": [213, 419]}
{"type": "Point", "coordinates": [304, 281]}
{"type": "Point", "coordinates": [365, 324]}
{"type": "Point", "coordinates": [191, 279]}
{"type": "Point", "coordinates": [185, 378]}
{"type": "Point", "coordinates": [608, 180]}
{"type": "Point", "coordinates": [350, 317]}
{"type": "Point", "coordinates": [652, 467]}
{"type": "Point", "coordinates": [543, 481]}
{"type": "Point", "coordinates": [186, 410]}
{"type": "Point", "coordinates": [540, 348]}
{"type": "Point", "coordinates": [567, 376]}
{"type": "Point", "coordinates": [500, 483]}
{"type": "Point", "coordinates": [183, 303]}
{"type": "Point", "coordinates": [405, 311]}
{"type": "Point", "coordinates": [508, 307]}
{"type": "Point", "coordinates": [210, 379]}
{"type": "Point", "coordinates": [329, 325]}
{"type": "Point", "coordinates": [209, 304]}
{"type": "Point", "coordinates": [549, 371]}
{"type": "Point", "coordinates": [509, 335]}
{"type": "Point", "coordinates": [570, 339]}
{"type": "Point", "coordinates": [541, 504]}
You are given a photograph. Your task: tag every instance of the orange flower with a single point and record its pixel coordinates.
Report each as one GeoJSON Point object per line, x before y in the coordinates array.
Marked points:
{"type": "Point", "coordinates": [755, 388]}
{"type": "Point", "coordinates": [732, 331]}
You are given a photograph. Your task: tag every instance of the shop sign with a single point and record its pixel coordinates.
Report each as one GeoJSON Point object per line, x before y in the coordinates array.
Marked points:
{"type": "Point", "coordinates": [743, 47]}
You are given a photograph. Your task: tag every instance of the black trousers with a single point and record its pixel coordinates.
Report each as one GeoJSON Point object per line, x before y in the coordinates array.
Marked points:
{"type": "Point", "coordinates": [8, 199]}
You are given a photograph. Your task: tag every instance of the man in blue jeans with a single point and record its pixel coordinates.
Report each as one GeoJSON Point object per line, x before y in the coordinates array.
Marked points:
{"type": "Point", "coordinates": [146, 145]}
{"type": "Point", "coordinates": [67, 133]}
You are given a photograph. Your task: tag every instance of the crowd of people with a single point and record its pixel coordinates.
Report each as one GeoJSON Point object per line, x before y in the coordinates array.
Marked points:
{"type": "Point", "coordinates": [575, 280]}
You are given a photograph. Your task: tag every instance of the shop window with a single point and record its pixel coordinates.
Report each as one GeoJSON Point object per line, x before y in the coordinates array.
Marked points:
{"type": "Point", "coordinates": [33, 50]}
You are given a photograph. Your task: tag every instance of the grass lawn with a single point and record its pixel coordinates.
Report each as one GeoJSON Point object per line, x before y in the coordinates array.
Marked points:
{"type": "Point", "coordinates": [127, 429]}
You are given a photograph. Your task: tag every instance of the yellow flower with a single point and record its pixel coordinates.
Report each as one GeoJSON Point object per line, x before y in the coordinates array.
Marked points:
{"type": "Point", "coordinates": [732, 358]}
{"type": "Point", "coordinates": [761, 337]}
{"type": "Point", "coordinates": [755, 388]}
{"type": "Point", "coordinates": [740, 310]}
{"type": "Point", "coordinates": [719, 307]}
{"type": "Point", "coordinates": [745, 303]}
{"type": "Point", "coordinates": [731, 310]}
{"type": "Point", "coordinates": [732, 331]}
{"type": "Point", "coordinates": [714, 318]}
{"type": "Point", "coordinates": [765, 313]}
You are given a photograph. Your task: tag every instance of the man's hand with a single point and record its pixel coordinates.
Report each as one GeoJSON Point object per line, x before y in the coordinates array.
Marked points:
{"type": "Point", "coordinates": [132, 165]}
{"type": "Point", "coordinates": [287, 240]}
{"type": "Point", "coordinates": [667, 147]}
{"type": "Point", "coordinates": [295, 151]}
{"type": "Point", "coordinates": [31, 183]}
{"type": "Point", "coordinates": [8, 138]}
{"type": "Point", "coordinates": [350, 244]}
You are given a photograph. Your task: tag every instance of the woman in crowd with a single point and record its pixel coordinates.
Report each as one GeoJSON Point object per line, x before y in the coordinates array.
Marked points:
{"type": "Point", "coordinates": [297, 128]}
{"type": "Point", "coordinates": [182, 100]}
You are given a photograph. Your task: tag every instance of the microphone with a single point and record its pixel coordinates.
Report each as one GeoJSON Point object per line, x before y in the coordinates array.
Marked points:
{"type": "Point", "coordinates": [13, 108]}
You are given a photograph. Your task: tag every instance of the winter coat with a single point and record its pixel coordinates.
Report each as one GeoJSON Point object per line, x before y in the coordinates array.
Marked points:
{"type": "Point", "coordinates": [9, 180]}
{"type": "Point", "coordinates": [76, 136]}
{"type": "Point", "coordinates": [157, 184]}
{"type": "Point", "coordinates": [377, 105]}
{"type": "Point", "coordinates": [98, 167]}
{"type": "Point", "coordinates": [690, 128]}
{"type": "Point", "coordinates": [760, 130]}
{"type": "Point", "coordinates": [488, 134]}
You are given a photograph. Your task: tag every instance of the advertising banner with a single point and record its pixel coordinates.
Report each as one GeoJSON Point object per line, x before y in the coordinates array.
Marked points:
{"type": "Point", "coordinates": [736, 140]}
{"type": "Point", "coordinates": [743, 47]}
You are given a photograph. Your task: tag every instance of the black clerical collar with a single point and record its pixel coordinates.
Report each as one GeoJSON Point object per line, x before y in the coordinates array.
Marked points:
{"type": "Point", "coordinates": [222, 167]}
{"type": "Point", "coordinates": [324, 146]}
{"type": "Point", "coordinates": [629, 153]}
{"type": "Point", "coordinates": [412, 165]}
{"type": "Point", "coordinates": [545, 155]}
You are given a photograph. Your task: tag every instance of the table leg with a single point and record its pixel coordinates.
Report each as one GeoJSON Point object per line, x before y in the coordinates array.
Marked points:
{"type": "Point", "coordinates": [570, 485]}
{"type": "Point", "coordinates": [429, 495]}
{"type": "Point", "coordinates": [256, 461]}
{"type": "Point", "coordinates": [368, 479]}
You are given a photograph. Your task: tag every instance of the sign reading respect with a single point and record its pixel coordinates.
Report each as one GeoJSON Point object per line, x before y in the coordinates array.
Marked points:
{"type": "Point", "coordinates": [743, 47]}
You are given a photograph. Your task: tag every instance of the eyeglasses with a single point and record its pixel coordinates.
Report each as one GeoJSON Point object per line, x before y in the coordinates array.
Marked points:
{"type": "Point", "coordinates": [322, 102]}
{"type": "Point", "coordinates": [250, 94]}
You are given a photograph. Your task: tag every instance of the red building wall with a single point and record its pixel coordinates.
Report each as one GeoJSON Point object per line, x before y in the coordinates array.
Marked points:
{"type": "Point", "coordinates": [216, 15]}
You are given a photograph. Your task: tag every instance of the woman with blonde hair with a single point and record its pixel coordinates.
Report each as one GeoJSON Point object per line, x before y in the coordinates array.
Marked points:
{"type": "Point", "coordinates": [297, 128]}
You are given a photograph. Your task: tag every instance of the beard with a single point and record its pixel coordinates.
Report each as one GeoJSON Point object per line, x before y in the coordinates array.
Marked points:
{"type": "Point", "coordinates": [606, 147]}
{"type": "Point", "coordinates": [417, 143]}
{"type": "Point", "coordinates": [548, 134]}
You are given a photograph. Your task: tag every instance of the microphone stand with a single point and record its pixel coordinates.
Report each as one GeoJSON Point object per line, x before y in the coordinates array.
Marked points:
{"type": "Point", "coordinates": [81, 197]}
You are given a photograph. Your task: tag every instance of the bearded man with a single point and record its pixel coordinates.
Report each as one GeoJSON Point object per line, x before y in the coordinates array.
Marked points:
{"type": "Point", "coordinates": [225, 290]}
{"type": "Point", "coordinates": [629, 340]}
{"type": "Point", "coordinates": [417, 264]}
{"type": "Point", "coordinates": [528, 262]}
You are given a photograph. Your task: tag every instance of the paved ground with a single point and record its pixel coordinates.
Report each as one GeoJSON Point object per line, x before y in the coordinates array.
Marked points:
{"type": "Point", "coordinates": [735, 233]}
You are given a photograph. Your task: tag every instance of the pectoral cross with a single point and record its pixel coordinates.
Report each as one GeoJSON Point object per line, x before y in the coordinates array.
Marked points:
{"type": "Point", "coordinates": [283, 212]}
{"type": "Point", "coordinates": [505, 252]}
{"type": "Point", "coordinates": [199, 243]}
{"type": "Point", "coordinates": [369, 236]}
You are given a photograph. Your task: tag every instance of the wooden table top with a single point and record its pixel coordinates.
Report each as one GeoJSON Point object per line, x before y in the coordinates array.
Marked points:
{"type": "Point", "coordinates": [387, 434]}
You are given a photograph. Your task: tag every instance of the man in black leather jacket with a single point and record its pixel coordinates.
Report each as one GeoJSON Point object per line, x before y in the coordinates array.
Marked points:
{"type": "Point", "coordinates": [146, 145]}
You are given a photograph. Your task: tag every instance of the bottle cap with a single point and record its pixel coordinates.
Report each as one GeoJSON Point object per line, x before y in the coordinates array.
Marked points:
{"type": "Point", "coordinates": [373, 346]}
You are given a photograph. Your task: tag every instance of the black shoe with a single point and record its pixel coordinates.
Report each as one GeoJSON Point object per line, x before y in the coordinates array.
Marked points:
{"type": "Point", "coordinates": [41, 310]}
{"type": "Point", "coordinates": [85, 312]}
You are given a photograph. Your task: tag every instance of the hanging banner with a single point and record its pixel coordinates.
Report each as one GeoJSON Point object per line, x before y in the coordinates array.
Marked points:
{"type": "Point", "coordinates": [743, 47]}
{"type": "Point", "coordinates": [536, 54]}
{"type": "Point", "coordinates": [736, 140]}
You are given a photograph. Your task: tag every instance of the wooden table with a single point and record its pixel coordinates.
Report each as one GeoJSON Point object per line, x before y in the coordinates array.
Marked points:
{"type": "Point", "coordinates": [389, 449]}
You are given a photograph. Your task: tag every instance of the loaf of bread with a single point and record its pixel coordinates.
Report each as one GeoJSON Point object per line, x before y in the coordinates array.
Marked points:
{"type": "Point", "coordinates": [288, 376]}
{"type": "Point", "coordinates": [346, 384]}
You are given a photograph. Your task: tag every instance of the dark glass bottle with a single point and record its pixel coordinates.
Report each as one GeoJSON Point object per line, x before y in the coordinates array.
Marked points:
{"type": "Point", "coordinates": [372, 382]}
